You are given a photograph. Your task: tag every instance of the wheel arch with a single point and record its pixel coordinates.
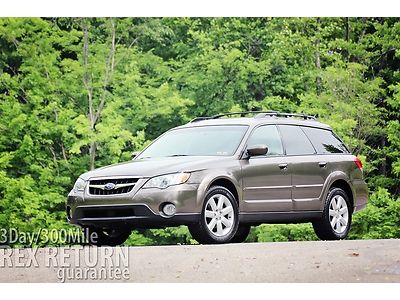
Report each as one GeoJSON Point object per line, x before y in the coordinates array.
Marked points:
{"type": "Point", "coordinates": [345, 186]}
{"type": "Point", "coordinates": [229, 182]}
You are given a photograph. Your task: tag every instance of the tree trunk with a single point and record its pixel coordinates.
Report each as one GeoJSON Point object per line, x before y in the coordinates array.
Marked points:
{"type": "Point", "coordinates": [364, 22]}
{"type": "Point", "coordinates": [95, 114]}
{"type": "Point", "coordinates": [347, 37]}
{"type": "Point", "coordinates": [347, 28]}
{"type": "Point", "coordinates": [109, 70]}
{"type": "Point", "coordinates": [92, 153]}
{"type": "Point", "coordinates": [383, 170]}
{"type": "Point", "coordinates": [318, 60]}
{"type": "Point", "coordinates": [87, 81]}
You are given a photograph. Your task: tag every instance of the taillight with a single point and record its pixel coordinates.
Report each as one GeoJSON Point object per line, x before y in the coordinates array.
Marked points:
{"type": "Point", "coordinates": [358, 163]}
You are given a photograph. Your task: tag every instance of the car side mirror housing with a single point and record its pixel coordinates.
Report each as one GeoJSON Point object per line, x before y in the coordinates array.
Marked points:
{"type": "Point", "coordinates": [134, 154]}
{"type": "Point", "coordinates": [257, 150]}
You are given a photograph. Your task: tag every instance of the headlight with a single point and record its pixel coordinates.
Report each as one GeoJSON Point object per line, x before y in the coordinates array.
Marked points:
{"type": "Point", "coordinates": [165, 181]}
{"type": "Point", "coordinates": [79, 185]}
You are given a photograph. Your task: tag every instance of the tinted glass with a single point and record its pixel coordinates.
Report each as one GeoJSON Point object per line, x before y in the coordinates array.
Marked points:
{"type": "Point", "coordinates": [295, 141]}
{"type": "Point", "coordinates": [325, 141]}
{"type": "Point", "coordinates": [267, 135]}
{"type": "Point", "coordinates": [197, 141]}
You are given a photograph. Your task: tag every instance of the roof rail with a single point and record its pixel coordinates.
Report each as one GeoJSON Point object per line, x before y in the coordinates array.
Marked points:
{"type": "Point", "coordinates": [242, 114]}
{"type": "Point", "coordinates": [285, 115]}
{"type": "Point", "coordinates": [200, 119]}
{"type": "Point", "coordinates": [259, 114]}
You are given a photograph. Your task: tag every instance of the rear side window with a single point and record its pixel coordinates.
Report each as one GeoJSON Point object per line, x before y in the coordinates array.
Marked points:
{"type": "Point", "coordinates": [295, 141]}
{"type": "Point", "coordinates": [325, 141]}
{"type": "Point", "coordinates": [267, 135]}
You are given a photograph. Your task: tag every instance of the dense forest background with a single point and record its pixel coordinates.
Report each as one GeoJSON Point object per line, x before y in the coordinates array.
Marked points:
{"type": "Point", "coordinates": [76, 94]}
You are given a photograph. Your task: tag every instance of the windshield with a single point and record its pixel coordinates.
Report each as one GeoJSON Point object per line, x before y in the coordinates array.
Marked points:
{"type": "Point", "coordinates": [197, 141]}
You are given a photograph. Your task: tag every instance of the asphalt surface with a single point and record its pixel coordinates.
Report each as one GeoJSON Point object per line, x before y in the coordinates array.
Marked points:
{"type": "Point", "coordinates": [320, 261]}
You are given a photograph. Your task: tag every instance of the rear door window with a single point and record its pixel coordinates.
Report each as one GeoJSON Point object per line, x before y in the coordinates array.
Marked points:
{"type": "Point", "coordinates": [295, 141]}
{"type": "Point", "coordinates": [324, 141]}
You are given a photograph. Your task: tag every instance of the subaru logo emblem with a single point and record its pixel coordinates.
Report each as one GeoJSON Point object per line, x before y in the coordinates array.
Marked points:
{"type": "Point", "coordinates": [109, 186]}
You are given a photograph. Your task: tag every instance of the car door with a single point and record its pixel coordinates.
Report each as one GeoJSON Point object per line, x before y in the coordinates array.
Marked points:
{"type": "Point", "coordinates": [308, 172]}
{"type": "Point", "coordinates": [266, 181]}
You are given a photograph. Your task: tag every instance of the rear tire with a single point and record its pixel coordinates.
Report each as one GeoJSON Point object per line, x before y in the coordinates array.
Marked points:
{"type": "Point", "coordinates": [336, 218]}
{"type": "Point", "coordinates": [106, 237]}
{"type": "Point", "coordinates": [219, 219]}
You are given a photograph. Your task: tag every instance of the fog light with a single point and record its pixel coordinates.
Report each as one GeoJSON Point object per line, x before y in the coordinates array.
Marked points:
{"type": "Point", "coordinates": [169, 209]}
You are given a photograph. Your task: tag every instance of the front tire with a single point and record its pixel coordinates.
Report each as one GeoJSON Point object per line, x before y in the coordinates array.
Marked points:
{"type": "Point", "coordinates": [241, 234]}
{"type": "Point", "coordinates": [106, 237]}
{"type": "Point", "coordinates": [336, 218]}
{"type": "Point", "coordinates": [219, 219]}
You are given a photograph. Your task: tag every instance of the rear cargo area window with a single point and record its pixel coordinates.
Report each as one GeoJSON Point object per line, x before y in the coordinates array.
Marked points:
{"type": "Point", "coordinates": [324, 141]}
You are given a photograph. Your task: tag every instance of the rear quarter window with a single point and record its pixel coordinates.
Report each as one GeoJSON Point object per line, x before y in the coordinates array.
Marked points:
{"type": "Point", "coordinates": [324, 141]}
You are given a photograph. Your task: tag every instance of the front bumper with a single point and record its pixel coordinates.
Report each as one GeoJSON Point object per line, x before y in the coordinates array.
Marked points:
{"type": "Point", "coordinates": [134, 216]}
{"type": "Point", "coordinates": [139, 208]}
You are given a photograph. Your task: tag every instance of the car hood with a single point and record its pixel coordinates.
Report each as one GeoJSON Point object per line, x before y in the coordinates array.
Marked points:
{"type": "Point", "coordinates": [156, 166]}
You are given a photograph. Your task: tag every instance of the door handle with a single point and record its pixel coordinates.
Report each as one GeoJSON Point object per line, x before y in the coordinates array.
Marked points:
{"type": "Point", "coordinates": [283, 166]}
{"type": "Point", "coordinates": [322, 164]}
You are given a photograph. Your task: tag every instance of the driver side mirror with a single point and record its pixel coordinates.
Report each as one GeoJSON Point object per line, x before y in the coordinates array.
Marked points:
{"type": "Point", "coordinates": [134, 154]}
{"type": "Point", "coordinates": [257, 150]}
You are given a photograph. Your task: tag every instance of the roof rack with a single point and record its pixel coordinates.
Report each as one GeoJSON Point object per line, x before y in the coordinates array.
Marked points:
{"type": "Point", "coordinates": [285, 115]}
{"type": "Point", "coordinates": [259, 114]}
{"type": "Point", "coordinates": [200, 119]}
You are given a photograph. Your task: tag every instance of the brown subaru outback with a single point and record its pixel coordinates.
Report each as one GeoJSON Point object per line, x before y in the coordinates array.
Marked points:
{"type": "Point", "coordinates": [221, 175]}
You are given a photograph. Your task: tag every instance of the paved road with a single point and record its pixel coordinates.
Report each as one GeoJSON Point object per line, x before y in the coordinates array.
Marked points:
{"type": "Point", "coordinates": [339, 261]}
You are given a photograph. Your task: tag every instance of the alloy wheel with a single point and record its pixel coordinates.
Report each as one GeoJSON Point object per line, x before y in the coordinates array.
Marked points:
{"type": "Point", "coordinates": [338, 214]}
{"type": "Point", "coordinates": [219, 215]}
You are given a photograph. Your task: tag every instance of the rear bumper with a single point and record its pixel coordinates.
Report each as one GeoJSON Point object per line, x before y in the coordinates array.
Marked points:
{"type": "Point", "coordinates": [360, 191]}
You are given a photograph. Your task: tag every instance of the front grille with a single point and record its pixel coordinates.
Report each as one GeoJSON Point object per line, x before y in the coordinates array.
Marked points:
{"type": "Point", "coordinates": [118, 186]}
{"type": "Point", "coordinates": [115, 212]}
{"type": "Point", "coordinates": [103, 212]}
